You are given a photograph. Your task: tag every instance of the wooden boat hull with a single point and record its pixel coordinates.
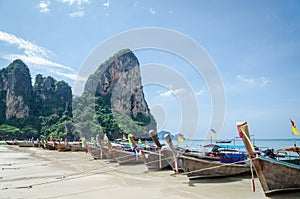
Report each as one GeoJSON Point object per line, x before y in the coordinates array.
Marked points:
{"type": "Point", "coordinates": [62, 147]}
{"type": "Point", "coordinates": [279, 176]}
{"type": "Point", "coordinates": [76, 147]}
{"type": "Point", "coordinates": [274, 175]}
{"type": "Point", "coordinates": [96, 153]}
{"type": "Point", "coordinates": [109, 154]}
{"type": "Point", "coordinates": [126, 157]}
{"type": "Point", "coordinates": [11, 142]}
{"type": "Point", "coordinates": [201, 168]}
{"type": "Point", "coordinates": [50, 146]}
{"type": "Point", "coordinates": [158, 159]}
{"type": "Point", "coordinates": [25, 144]}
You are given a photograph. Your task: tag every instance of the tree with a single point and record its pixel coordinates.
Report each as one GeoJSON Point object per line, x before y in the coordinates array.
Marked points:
{"type": "Point", "coordinates": [8, 132]}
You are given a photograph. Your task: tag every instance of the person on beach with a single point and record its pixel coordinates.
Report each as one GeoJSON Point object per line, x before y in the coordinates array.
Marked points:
{"type": "Point", "coordinates": [105, 139]}
{"type": "Point", "coordinates": [84, 145]}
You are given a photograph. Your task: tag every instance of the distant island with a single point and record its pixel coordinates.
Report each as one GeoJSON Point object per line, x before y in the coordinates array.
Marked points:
{"type": "Point", "coordinates": [112, 103]}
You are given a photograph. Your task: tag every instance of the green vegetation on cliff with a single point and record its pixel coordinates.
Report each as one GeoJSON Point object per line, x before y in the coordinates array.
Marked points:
{"type": "Point", "coordinates": [33, 111]}
{"type": "Point", "coordinates": [112, 103]}
{"type": "Point", "coordinates": [114, 100]}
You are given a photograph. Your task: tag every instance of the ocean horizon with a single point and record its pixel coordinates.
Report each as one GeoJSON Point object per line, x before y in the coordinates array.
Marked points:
{"type": "Point", "coordinates": [275, 143]}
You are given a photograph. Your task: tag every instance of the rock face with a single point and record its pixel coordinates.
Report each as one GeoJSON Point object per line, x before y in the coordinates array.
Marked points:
{"type": "Point", "coordinates": [120, 78]}
{"type": "Point", "coordinates": [52, 96]}
{"type": "Point", "coordinates": [16, 90]}
{"type": "Point", "coordinates": [19, 99]}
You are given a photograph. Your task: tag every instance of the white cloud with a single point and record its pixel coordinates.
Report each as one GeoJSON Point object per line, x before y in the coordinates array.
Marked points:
{"type": "Point", "coordinates": [71, 76]}
{"type": "Point", "coordinates": [199, 92]}
{"type": "Point", "coordinates": [152, 11]}
{"type": "Point", "coordinates": [28, 47]}
{"type": "Point", "coordinates": [32, 53]}
{"type": "Point", "coordinates": [261, 81]}
{"type": "Point", "coordinates": [78, 2]}
{"type": "Point", "coordinates": [79, 13]}
{"type": "Point", "coordinates": [106, 4]}
{"type": "Point", "coordinates": [36, 60]}
{"type": "Point", "coordinates": [172, 92]}
{"type": "Point", "coordinates": [43, 6]}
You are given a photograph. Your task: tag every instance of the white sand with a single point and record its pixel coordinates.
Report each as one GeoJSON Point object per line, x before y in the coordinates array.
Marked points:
{"type": "Point", "coordinates": [39, 173]}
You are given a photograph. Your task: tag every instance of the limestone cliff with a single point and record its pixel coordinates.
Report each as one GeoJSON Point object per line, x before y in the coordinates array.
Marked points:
{"type": "Point", "coordinates": [120, 78]}
{"type": "Point", "coordinates": [19, 99]}
{"type": "Point", "coordinates": [52, 96]}
{"type": "Point", "coordinates": [16, 90]}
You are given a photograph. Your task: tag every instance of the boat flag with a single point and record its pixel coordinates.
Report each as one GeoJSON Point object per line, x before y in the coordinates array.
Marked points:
{"type": "Point", "coordinates": [180, 137]}
{"type": "Point", "coordinates": [295, 131]}
{"type": "Point", "coordinates": [124, 137]}
{"type": "Point", "coordinates": [213, 133]}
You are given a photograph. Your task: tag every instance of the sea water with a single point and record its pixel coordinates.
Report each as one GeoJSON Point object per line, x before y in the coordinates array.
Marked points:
{"type": "Point", "coordinates": [261, 143]}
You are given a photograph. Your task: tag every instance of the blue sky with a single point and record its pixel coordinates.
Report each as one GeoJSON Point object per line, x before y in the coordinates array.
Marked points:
{"type": "Point", "coordinates": [254, 45]}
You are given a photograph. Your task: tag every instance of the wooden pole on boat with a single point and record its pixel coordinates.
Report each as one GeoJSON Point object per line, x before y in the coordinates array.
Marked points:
{"type": "Point", "coordinates": [131, 139]}
{"type": "Point", "coordinates": [159, 158]}
{"type": "Point", "coordinates": [153, 135]}
{"type": "Point", "coordinates": [107, 142]}
{"type": "Point", "coordinates": [100, 146]}
{"type": "Point", "coordinates": [170, 143]}
{"type": "Point", "coordinates": [244, 133]}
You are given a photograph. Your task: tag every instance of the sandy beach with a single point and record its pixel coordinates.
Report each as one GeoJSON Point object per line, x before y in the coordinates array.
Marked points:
{"type": "Point", "coordinates": [38, 173]}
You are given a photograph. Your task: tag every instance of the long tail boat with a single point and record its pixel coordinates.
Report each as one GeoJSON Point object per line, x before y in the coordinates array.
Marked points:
{"type": "Point", "coordinates": [202, 166]}
{"type": "Point", "coordinates": [76, 147]}
{"type": "Point", "coordinates": [98, 151]}
{"type": "Point", "coordinates": [49, 145]}
{"type": "Point", "coordinates": [205, 167]}
{"type": "Point", "coordinates": [26, 144]}
{"type": "Point", "coordinates": [95, 151]}
{"type": "Point", "coordinates": [128, 156]}
{"type": "Point", "coordinates": [11, 142]}
{"type": "Point", "coordinates": [62, 146]}
{"type": "Point", "coordinates": [274, 175]}
{"type": "Point", "coordinates": [174, 162]}
{"type": "Point", "coordinates": [157, 159]}
{"type": "Point", "coordinates": [106, 150]}
{"type": "Point", "coordinates": [125, 155]}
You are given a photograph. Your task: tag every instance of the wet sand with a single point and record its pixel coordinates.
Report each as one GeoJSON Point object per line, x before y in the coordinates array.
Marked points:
{"type": "Point", "coordinates": [38, 173]}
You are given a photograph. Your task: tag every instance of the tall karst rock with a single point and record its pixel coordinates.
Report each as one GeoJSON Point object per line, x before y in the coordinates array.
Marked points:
{"type": "Point", "coordinates": [19, 99]}
{"type": "Point", "coordinates": [52, 96]}
{"type": "Point", "coordinates": [15, 91]}
{"type": "Point", "coordinates": [119, 78]}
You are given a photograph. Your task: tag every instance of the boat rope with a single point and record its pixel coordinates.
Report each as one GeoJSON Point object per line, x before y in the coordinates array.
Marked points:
{"type": "Point", "coordinates": [160, 159]}
{"type": "Point", "coordinates": [250, 156]}
{"type": "Point", "coordinates": [128, 157]}
{"type": "Point", "coordinates": [252, 175]}
{"type": "Point", "coordinates": [63, 178]}
{"type": "Point", "coordinates": [82, 192]}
